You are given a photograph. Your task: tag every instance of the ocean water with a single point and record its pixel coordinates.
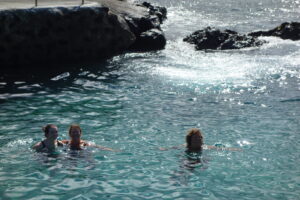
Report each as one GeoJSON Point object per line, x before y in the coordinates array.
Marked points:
{"type": "Point", "coordinates": [139, 102]}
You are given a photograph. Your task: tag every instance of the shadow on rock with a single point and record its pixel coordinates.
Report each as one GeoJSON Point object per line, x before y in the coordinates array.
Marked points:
{"type": "Point", "coordinates": [147, 31]}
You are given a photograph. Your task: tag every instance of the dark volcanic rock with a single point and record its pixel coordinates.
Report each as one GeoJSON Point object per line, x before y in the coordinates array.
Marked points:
{"type": "Point", "coordinates": [160, 12]}
{"type": "Point", "coordinates": [71, 34]}
{"type": "Point", "coordinates": [147, 29]}
{"type": "Point", "coordinates": [210, 38]}
{"type": "Point", "coordinates": [285, 31]}
{"type": "Point", "coordinates": [61, 34]}
{"type": "Point", "coordinates": [142, 19]}
{"type": "Point", "coordinates": [150, 40]}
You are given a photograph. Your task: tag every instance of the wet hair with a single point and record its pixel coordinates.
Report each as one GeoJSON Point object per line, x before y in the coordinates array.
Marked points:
{"type": "Point", "coordinates": [190, 133]}
{"type": "Point", "coordinates": [73, 126]}
{"type": "Point", "coordinates": [47, 128]}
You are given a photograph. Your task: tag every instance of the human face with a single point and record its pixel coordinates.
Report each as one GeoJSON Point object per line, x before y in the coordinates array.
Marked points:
{"type": "Point", "coordinates": [75, 133]}
{"type": "Point", "coordinates": [53, 133]}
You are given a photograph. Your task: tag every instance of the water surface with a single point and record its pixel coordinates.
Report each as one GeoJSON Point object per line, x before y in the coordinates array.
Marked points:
{"type": "Point", "coordinates": [139, 102]}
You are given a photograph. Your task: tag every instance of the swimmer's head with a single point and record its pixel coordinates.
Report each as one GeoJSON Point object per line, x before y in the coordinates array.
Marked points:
{"type": "Point", "coordinates": [194, 139]}
{"type": "Point", "coordinates": [75, 131]}
{"type": "Point", "coordinates": [51, 131]}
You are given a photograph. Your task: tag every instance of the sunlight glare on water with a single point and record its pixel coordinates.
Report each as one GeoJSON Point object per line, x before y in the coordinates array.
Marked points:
{"type": "Point", "coordinates": [140, 102]}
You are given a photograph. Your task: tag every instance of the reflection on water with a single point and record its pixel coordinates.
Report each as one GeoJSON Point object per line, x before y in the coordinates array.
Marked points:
{"type": "Point", "coordinates": [192, 166]}
{"type": "Point", "coordinates": [139, 102]}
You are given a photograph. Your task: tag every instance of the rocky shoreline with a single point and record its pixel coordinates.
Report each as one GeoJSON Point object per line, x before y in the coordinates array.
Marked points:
{"type": "Point", "coordinates": [36, 37]}
{"type": "Point", "coordinates": [49, 35]}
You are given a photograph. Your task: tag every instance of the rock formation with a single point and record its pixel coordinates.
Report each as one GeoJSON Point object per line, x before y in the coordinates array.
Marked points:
{"type": "Point", "coordinates": [39, 36]}
{"type": "Point", "coordinates": [144, 21]}
{"type": "Point", "coordinates": [211, 38]}
{"type": "Point", "coordinates": [285, 31]}
{"type": "Point", "coordinates": [50, 35]}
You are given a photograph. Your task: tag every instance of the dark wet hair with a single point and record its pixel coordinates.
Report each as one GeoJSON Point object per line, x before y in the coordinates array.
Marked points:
{"type": "Point", "coordinates": [190, 133]}
{"type": "Point", "coordinates": [47, 128]}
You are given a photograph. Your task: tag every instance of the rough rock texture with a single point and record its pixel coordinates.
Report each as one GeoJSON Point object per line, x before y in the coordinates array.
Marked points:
{"type": "Point", "coordinates": [61, 34]}
{"type": "Point", "coordinates": [160, 12]}
{"type": "Point", "coordinates": [150, 40]}
{"type": "Point", "coordinates": [211, 38]}
{"type": "Point", "coordinates": [285, 31]}
{"type": "Point", "coordinates": [144, 21]}
{"type": "Point", "coordinates": [149, 35]}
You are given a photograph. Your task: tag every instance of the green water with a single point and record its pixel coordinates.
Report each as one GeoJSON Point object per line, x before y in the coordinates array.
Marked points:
{"type": "Point", "coordinates": [140, 102]}
{"type": "Point", "coordinates": [137, 110]}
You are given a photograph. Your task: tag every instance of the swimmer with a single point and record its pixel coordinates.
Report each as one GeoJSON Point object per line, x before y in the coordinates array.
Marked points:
{"type": "Point", "coordinates": [195, 143]}
{"type": "Point", "coordinates": [50, 143]}
{"type": "Point", "coordinates": [76, 143]}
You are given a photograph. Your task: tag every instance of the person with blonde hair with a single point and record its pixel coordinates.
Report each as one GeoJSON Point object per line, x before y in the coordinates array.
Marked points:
{"type": "Point", "coordinates": [76, 143]}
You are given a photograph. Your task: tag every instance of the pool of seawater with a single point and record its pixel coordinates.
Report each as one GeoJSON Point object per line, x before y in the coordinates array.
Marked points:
{"type": "Point", "coordinates": [139, 102]}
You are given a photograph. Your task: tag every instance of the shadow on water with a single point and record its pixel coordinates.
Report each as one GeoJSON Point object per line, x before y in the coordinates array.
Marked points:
{"type": "Point", "coordinates": [70, 159]}
{"type": "Point", "coordinates": [190, 164]}
{"type": "Point", "coordinates": [54, 77]}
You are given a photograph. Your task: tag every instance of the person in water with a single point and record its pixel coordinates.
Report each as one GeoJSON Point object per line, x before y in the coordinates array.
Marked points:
{"type": "Point", "coordinates": [195, 143]}
{"type": "Point", "coordinates": [50, 143]}
{"type": "Point", "coordinates": [76, 143]}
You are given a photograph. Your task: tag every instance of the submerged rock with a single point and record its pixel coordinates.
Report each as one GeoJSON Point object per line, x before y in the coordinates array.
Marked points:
{"type": "Point", "coordinates": [211, 38]}
{"type": "Point", "coordinates": [285, 31]}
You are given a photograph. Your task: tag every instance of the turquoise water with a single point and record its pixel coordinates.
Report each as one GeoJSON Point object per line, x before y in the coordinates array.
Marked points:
{"type": "Point", "coordinates": [139, 102]}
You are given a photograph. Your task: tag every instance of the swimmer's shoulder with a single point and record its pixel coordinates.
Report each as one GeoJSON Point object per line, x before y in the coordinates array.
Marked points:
{"type": "Point", "coordinates": [60, 143]}
{"type": "Point", "coordinates": [39, 146]}
{"type": "Point", "coordinates": [85, 143]}
{"type": "Point", "coordinates": [64, 141]}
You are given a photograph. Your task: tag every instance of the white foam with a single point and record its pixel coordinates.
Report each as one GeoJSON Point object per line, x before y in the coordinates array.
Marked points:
{"type": "Point", "coordinates": [185, 21]}
{"type": "Point", "coordinates": [234, 67]}
{"type": "Point", "coordinates": [20, 142]}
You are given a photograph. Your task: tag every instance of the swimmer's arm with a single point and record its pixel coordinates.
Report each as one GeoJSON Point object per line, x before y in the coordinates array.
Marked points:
{"type": "Point", "coordinates": [105, 148]}
{"type": "Point", "coordinates": [233, 149]}
{"type": "Point", "coordinates": [174, 147]}
{"type": "Point", "coordinates": [222, 148]}
{"type": "Point", "coordinates": [100, 147]}
{"type": "Point", "coordinates": [37, 146]}
{"type": "Point", "coordinates": [64, 141]}
{"type": "Point", "coordinates": [60, 143]}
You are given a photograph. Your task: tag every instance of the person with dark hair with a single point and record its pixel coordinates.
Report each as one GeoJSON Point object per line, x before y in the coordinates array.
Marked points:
{"type": "Point", "coordinates": [76, 143]}
{"type": "Point", "coordinates": [195, 143]}
{"type": "Point", "coordinates": [194, 140]}
{"type": "Point", "coordinates": [50, 143]}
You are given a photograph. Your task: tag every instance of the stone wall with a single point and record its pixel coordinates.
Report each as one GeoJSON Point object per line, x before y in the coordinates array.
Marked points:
{"type": "Point", "coordinates": [61, 34]}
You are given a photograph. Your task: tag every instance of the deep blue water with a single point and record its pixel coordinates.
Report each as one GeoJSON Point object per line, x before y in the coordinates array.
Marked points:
{"type": "Point", "coordinates": [139, 102]}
